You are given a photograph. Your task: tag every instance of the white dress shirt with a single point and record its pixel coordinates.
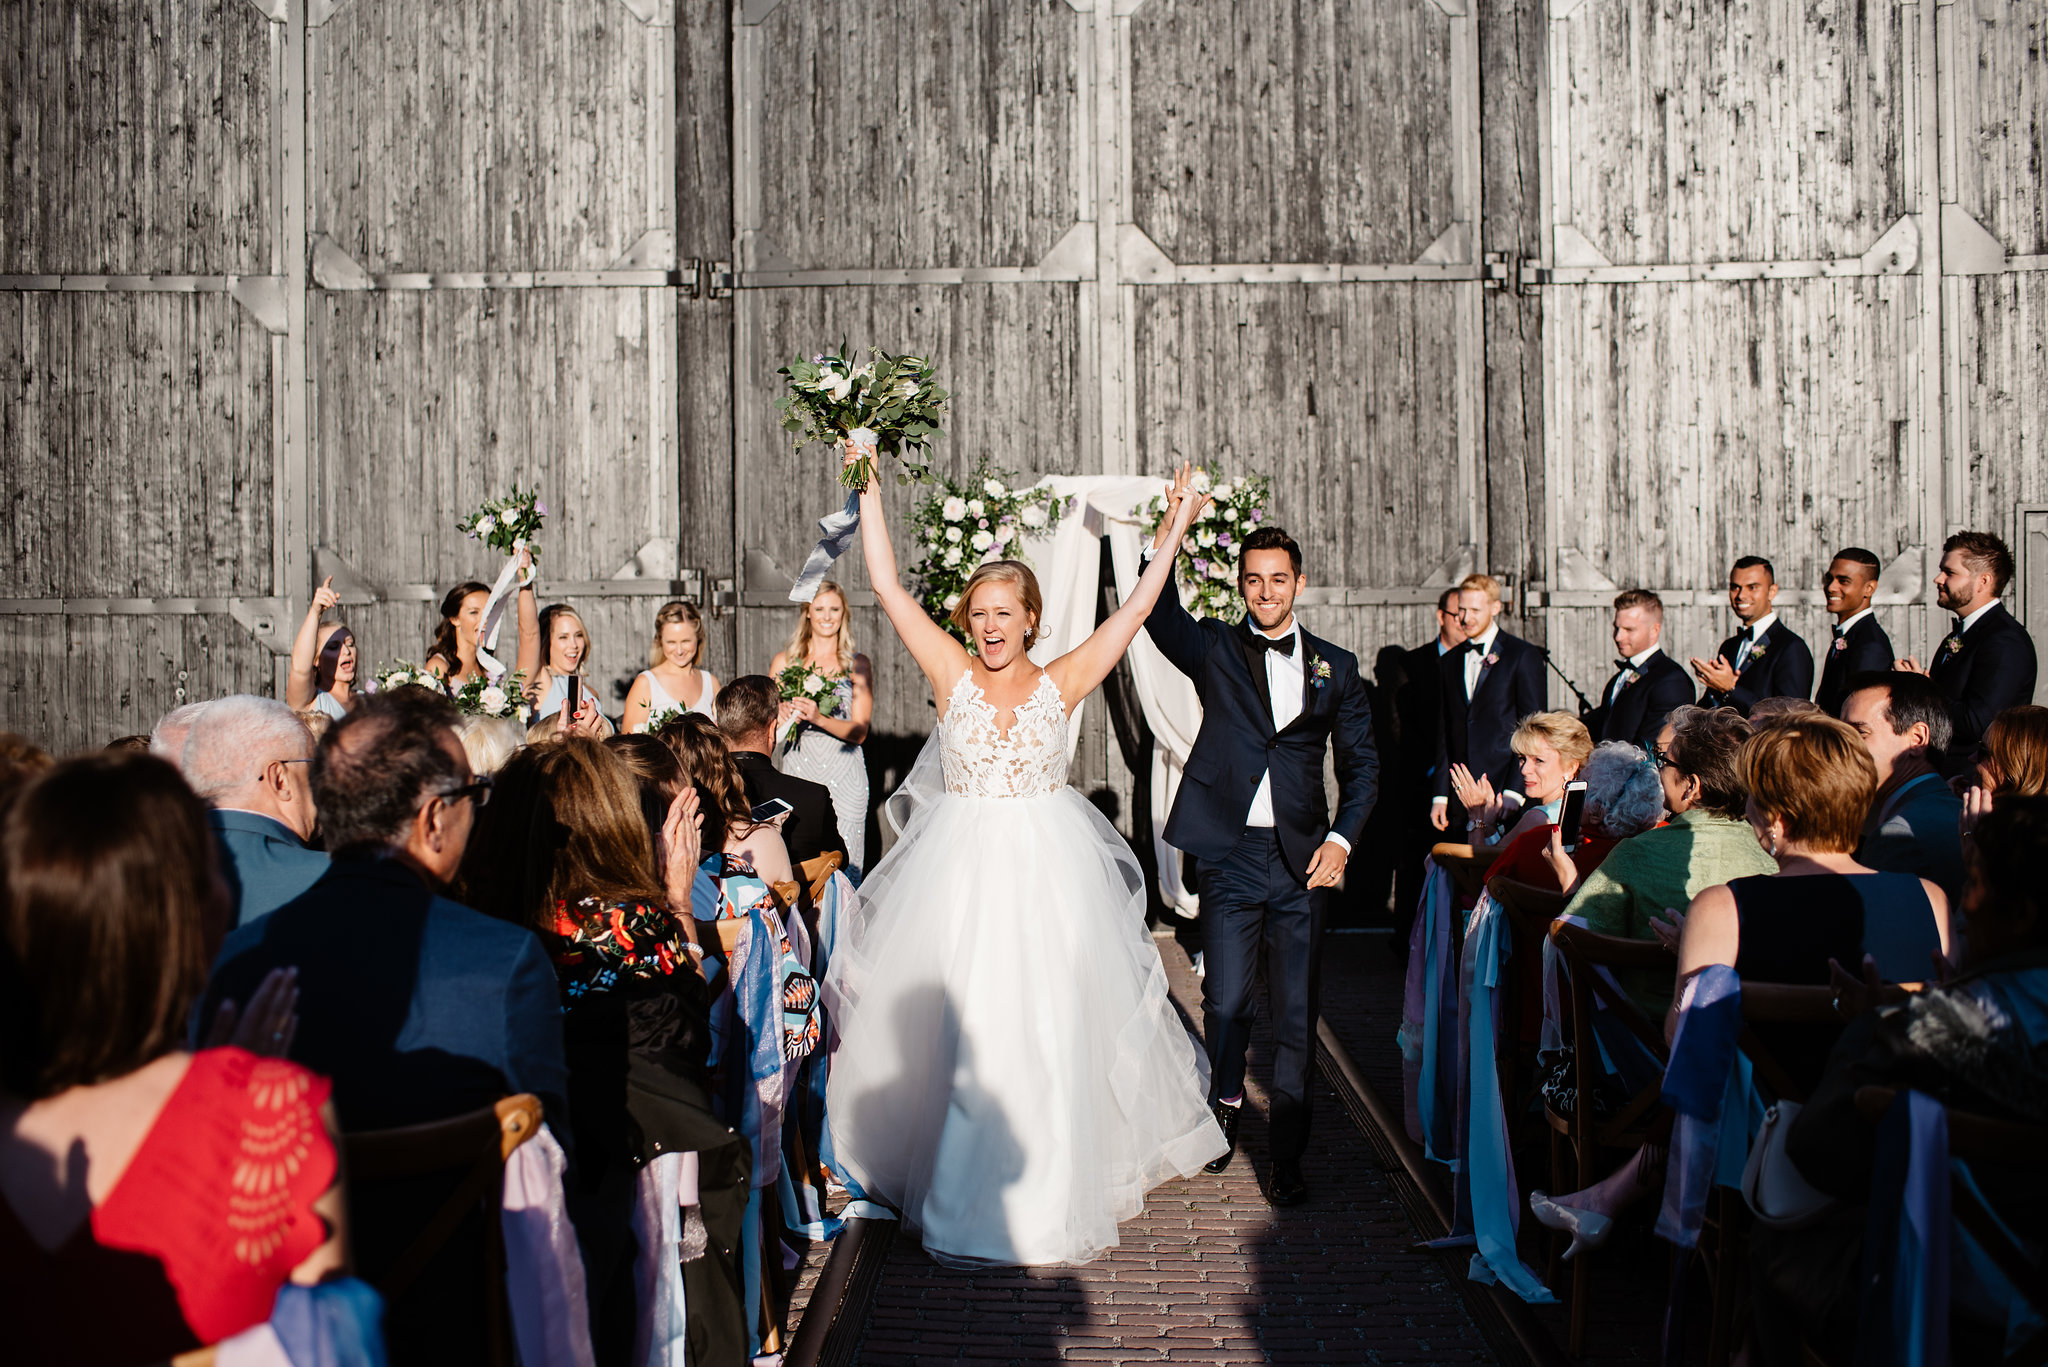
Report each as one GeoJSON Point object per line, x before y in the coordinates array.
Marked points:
{"type": "Point", "coordinates": [1482, 646]}
{"type": "Point", "coordinates": [1842, 627]}
{"type": "Point", "coordinates": [1636, 663]}
{"type": "Point", "coordinates": [1971, 620]}
{"type": "Point", "coordinates": [1756, 633]}
{"type": "Point", "coordinates": [1285, 682]}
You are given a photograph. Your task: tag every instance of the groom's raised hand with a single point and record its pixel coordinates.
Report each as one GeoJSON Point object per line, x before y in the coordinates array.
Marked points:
{"type": "Point", "coordinates": [1326, 865]}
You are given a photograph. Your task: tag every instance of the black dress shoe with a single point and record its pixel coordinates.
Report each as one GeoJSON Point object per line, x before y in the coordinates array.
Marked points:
{"type": "Point", "coordinates": [1227, 1117]}
{"type": "Point", "coordinates": [1286, 1188]}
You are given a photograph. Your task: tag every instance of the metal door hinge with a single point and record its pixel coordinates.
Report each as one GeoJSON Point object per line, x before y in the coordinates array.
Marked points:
{"type": "Point", "coordinates": [701, 279]}
{"type": "Point", "coordinates": [723, 595]}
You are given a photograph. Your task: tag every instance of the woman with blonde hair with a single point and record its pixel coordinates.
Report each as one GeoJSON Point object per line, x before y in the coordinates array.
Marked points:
{"type": "Point", "coordinates": [674, 680]}
{"type": "Point", "coordinates": [1551, 747]}
{"type": "Point", "coordinates": [1011, 1075]}
{"type": "Point", "coordinates": [826, 747]}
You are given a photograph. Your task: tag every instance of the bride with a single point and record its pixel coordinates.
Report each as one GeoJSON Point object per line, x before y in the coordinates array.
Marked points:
{"type": "Point", "coordinates": [1010, 1074]}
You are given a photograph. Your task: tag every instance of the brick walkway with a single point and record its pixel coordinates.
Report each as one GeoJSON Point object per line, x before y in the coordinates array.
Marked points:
{"type": "Point", "coordinates": [1209, 1273]}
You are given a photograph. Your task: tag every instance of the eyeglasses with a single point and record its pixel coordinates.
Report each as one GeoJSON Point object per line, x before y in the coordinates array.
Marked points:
{"type": "Point", "coordinates": [266, 768]}
{"type": "Point", "coordinates": [478, 788]}
{"type": "Point", "coordinates": [1658, 759]}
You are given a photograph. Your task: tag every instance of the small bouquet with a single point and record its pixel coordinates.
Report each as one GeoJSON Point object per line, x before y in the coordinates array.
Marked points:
{"type": "Point", "coordinates": [1207, 562]}
{"type": "Point", "coordinates": [889, 407]}
{"type": "Point", "coordinates": [405, 674]}
{"type": "Point", "coordinates": [800, 680]}
{"type": "Point", "coordinates": [656, 720]}
{"type": "Point", "coordinates": [483, 696]}
{"type": "Point", "coordinates": [509, 524]}
{"type": "Point", "coordinates": [964, 525]}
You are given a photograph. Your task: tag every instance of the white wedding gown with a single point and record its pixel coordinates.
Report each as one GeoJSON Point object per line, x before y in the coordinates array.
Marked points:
{"type": "Point", "coordinates": [1009, 1074]}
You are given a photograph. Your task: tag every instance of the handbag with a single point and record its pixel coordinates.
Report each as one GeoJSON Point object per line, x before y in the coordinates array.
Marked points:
{"type": "Point", "coordinates": [1772, 1186]}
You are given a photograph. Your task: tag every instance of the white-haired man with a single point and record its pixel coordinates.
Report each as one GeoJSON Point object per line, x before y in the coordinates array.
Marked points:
{"type": "Point", "coordinates": [248, 757]}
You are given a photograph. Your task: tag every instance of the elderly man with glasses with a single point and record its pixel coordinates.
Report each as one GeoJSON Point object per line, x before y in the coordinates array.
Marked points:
{"type": "Point", "coordinates": [248, 758]}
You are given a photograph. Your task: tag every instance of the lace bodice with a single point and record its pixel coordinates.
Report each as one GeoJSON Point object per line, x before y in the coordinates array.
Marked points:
{"type": "Point", "coordinates": [981, 760]}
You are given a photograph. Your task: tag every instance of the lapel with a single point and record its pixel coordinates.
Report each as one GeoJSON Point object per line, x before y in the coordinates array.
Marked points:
{"type": "Point", "coordinates": [1968, 638]}
{"type": "Point", "coordinates": [1255, 660]}
{"type": "Point", "coordinates": [1484, 668]}
{"type": "Point", "coordinates": [1309, 692]}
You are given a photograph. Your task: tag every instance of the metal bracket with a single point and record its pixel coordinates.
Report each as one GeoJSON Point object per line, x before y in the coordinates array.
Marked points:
{"type": "Point", "coordinates": [264, 619]}
{"type": "Point", "coordinates": [722, 596]}
{"type": "Point", "coordinates": [1504, 273]}
{"type": "Point", "coordinates": [717, 282]}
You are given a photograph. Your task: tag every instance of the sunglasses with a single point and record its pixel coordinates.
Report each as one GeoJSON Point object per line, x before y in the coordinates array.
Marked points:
{"type": "Point", "coordinates": [478, 788]}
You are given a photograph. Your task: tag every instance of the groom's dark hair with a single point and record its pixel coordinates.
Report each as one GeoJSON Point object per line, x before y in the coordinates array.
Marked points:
{"type": "Point", "coordinates": [1269, 539]}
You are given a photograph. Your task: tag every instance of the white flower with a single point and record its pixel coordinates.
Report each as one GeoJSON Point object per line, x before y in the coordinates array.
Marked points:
{"type": "Point", "coordinates": [1218, 570]}
{"type": "Point", "coordinates": [975, 508]}
{"type": "Point", "coordinates": [954, 510]}
{"type": "Point", "coordinates": [952, 534]}
{"type": "Point", "coordinates": [1230, 514]}
{"type": "Point", "coordinates": [952, 601]}
{"type": "Point", "coordinates": [493, 701]}
{"type": "Point", "coordinates": [981, 541]}
{"type": "Point", "coordinates": [1033, 516]}
{"type": "Point", "coordinates": [1205, 538]}
{"type": "Point", "coordinates": [1189, 544]}
{"type": "Point", "coordinates": [486, 524]}
{"type": "Point", "coordinates": [838, 386]}
{"type": "Point", "coordinates": [1208, 513]}
{"type": "Point", "coordinates": [952, 557]}
{"type": "Point", "coordinates": [1004, 534]}
{"type": "Point", "coordinates": [993, 488]}
{"type": "Point", "coordinates": [935, 542]}
{"type": "Point", "coordinates": [1201, 482]}
{"type": "Point", "coordinates": [814, 684]}
{"type": "Point", "coordinates": [1223, 490]}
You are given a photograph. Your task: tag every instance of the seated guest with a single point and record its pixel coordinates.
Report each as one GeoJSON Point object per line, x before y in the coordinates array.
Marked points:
{"type": "Point", "coordinates": [749, 847]}
{"type": "Point", "coordinates": [1771, 711]}
{"type": "Point", "coordinates": [1912, 826]}
{"type": "Point", "coordinates": [1646, 878]}
{"type": "Point", "coordinates": [747, 710]}
{"type": "Point", "coordinates": [1647, 683]}
{"type": "Point", "coordinates": [635, 1011]}
{"type": "Point", "coordinates": [21, 759]}
{"type": "Point", "coordinates": [2014, 762]}
{"type": "Point", "coordinates": [323, 668]}
{"type": "Point", "coordinates": [152, 1201]}
{"type": "Point", "coordinates": [1987, 662]}
{"type": "Point", "coordinates": [1549, 747]}
{"type": "Point", "coordinates": [1766, 659]}
{"type": "Point", "coordinates": [247, 757]}
{"type": "Point", "coordinates": [167, 738]}
{"type": "Point", "coordinates": [489, 741]}
{"type": "Point", "coordinates": [1977, 1042]}
{"type": "Point", "coordinates": [1623, 798]}
{"type": "Point", "coordinates": [1859, 644]}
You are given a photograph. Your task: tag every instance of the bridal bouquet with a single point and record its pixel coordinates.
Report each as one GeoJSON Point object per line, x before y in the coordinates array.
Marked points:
{"type": "Point", "coordinates": [1207, 562]}
{"type": "Point", "coordinates": [509, 524]}
{"type": "Point", "coordinates": [889, 407]}
{"type": "Point", "coordinates": [405, 674]}
{"type": "Point", "coordinates": [482, 696]}
{"type": "Point", "coordinates": [966, 524]}
{"type": "Point", "coordinates": [800, 680]}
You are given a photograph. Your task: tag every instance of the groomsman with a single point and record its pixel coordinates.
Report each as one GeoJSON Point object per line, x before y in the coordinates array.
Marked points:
{"type": "Point", "coordinates": [1647, 683]}
{"type": "Point", "coordinates": [1763, 660]}
{"type": "Point", "coordinates": [1860, 645]}
{"type": "Point", "coordinates": [1418, 706]}
{"type": "Point", "coordinates": [1489, 683]}
{"type": "Point", "coordinates": [1987, 663]}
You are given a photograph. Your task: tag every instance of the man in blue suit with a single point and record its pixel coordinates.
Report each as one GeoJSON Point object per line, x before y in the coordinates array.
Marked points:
{"type": "Point", "coordinates": [1987, 663]}
{"type": "Point", "coordinates": [1914, 820]}
{"type": "Point", "coordinates": [248, 758]}
{"type": "Point", "coordinates": [1859, 644]}
{"type": "Point", "coordinates": [1251, 809]}
{"type": "Point", "coordinates": [1489, 684]}
{"type": "Point", "coordinates": [1766, 659]}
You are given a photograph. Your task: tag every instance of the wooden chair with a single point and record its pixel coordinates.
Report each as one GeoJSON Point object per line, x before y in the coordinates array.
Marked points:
{"type": "Point", "coordinates": [1529, 911]}
{"type": "Point", "coordinates": [1467, 866]}
{"type": "Point", "coordinates": [817, 873]}
{"type": "Point", "coordinates": [477, 1146]}
{"type": "Point", "coordinates": [1580, 1134]}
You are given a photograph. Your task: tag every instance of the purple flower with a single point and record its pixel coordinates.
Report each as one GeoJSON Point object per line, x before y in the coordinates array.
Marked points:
{"type": "Point", "coordinates": [1223, 539]}
{"type": "Point", "coordinates": [1253, 516]}
{"type": "Point", "coordinates": [982, 523]}
{"type": "Point", "coordinates": [1201, 565]}
{"type": "Point", "coordinates": [540, 508]}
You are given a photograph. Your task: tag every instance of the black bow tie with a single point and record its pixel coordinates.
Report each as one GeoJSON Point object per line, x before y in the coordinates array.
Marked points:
{"type": "Point", "coordinates": [1623, 665]}
{"type": "Point", "coordinates": [1749, 634]}
{"type": "Point", "coordinates": [1283, 646]}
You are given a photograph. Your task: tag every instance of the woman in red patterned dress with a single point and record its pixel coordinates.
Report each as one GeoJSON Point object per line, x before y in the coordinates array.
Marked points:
{"type": "Point", "coordinates": [151, 1200]}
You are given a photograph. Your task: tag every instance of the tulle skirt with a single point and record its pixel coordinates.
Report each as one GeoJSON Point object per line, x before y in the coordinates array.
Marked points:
{"type": "Point", "coordinates": [1010, 1074]}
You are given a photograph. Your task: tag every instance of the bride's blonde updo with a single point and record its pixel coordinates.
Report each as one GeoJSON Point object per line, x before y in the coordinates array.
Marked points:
{"type": "Point", "coordinates": [1019, 577]}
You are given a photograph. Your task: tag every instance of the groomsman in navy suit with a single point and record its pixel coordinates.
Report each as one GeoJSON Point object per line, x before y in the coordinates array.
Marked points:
{"type": "Point", "coordinates": [1859, 645]}
{"type": "Point", "coordinates": [1763, 660]}
{"type": "Point", "coordinates": [1987, 663]}
{"type": "Point", "coordinates": [1251, 809]}
{"type": "Point", "coordinates": [1647, 684]}
{"type": "Point", "coordinates": [1490, 683]}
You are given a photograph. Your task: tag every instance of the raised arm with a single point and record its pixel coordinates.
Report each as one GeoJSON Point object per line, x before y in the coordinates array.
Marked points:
{"type": "Point", "coordinates": [1082, 669]}
{"type": "Point", "coordinates": [531, 649]}
{"type": "Point", "coordinates": [942, 658]}
{"type": "Point", "coordinates": [302, 683]}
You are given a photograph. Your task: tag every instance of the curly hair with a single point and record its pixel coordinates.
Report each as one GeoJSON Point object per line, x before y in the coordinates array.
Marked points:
{"type": "Point", "coordinates": [1704, 744]}
{"type": "Point", "coordinates": [1622, 784]}
{"type": "Point", "coordinates": [721, 792]}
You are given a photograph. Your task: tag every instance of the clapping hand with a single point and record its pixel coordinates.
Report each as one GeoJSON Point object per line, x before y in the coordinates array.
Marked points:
{"type": "Point", "coordinates": [1976, 806]}
{"type": "Point", "coordinates": [1668, 928]}
{"type": "Point", "coordinates": [1909, 664]}
{"type": "Point", "coordinates": [1482, 805]}
{"type": "Point", "coordinates": [268, 1026]}
{"type": "Point", "coordinates": [1718, 675]}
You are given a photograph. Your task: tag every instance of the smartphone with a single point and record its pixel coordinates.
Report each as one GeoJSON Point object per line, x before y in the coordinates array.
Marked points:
{"type": "Point", "coordinates": [773, 808]}
{"type": "Point", "coordinates": [1574, 812]}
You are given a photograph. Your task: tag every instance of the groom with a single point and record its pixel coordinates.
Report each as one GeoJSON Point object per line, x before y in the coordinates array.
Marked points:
{"type": "Point", "coordinates": [1251, 810]}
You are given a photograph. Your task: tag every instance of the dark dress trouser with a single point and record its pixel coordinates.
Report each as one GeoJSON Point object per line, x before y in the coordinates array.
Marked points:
{"type": "Point", "coordinates": [1252, 902]}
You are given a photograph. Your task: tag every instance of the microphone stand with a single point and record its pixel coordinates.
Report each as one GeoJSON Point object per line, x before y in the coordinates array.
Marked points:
{"type": "Point", "coordinates": [1585, 703]}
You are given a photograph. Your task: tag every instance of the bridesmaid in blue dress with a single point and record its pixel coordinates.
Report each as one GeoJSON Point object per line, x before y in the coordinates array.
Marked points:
{"type": "Point", "coordinates": [826, 747]}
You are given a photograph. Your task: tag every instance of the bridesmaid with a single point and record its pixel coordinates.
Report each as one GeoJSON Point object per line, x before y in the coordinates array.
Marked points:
{"type": "Point", "coordinates": [826, 748]}
{"type": "Point", "coordinates": [452, 657]}
{"type": "Point", "coordinates": [674, 680]}
{"type": "Point", "coordinates": [565, 652]}
{"type": "Point", "coordinates": [323, 673]}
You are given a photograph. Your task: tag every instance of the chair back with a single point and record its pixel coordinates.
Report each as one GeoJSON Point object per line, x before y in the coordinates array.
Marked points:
{"type": "Point", "coordinates": [817, 873]}
{"type": "Point", "coordinates": [1466, 865]}
{"type": "Point", "coordinates": [1782, 1004]}
{"type": "Point", "coordinates": [476, 1147]}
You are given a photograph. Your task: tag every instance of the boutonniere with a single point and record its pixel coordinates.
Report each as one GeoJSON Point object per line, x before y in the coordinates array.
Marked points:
{"type": "Point", "coordinates": [1492, 658]}
{"type": "Point", "coordinates": [1756, 652]}
{"type": "Point", "coordinates": [1629, 679]}
{"type": "Point", "coordinates": [1841, 643]}
{"type": "Point", "coordinates": [1318, 671]}
{"type": "Point", "coordinates": [1952, 645]}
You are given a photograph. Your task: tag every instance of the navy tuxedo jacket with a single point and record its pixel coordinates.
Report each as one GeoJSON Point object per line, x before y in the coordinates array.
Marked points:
{"type": "Point", "coordinates": [1865, 648]}
{"type": "Point", "coordinates": [1783, 670]}
{"type": "Point", "coordinates": [1237, 743]}
{"type": "Point", "coordinates": [1992, 671]}
{"type": "Point", "coordinates": [1476, 733]}
{"type": "Point", "coordinates": [1637, 713]}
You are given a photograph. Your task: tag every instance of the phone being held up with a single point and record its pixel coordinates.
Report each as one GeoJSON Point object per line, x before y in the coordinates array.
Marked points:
{"type": "Point", "coordinates": [1573, 813]}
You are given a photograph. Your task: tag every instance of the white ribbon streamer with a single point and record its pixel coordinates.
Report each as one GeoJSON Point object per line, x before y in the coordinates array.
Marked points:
{"type": "Point", "coordinates": [494, 617]}
{"type": "Point", "coordinates": [839, 530]}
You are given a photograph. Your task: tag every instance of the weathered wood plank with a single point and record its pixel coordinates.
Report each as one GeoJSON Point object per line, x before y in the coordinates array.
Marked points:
{"type": "Point", "coordinates": [480, 136]}
{"type": "Point", "coordinates": [2000, 76]}
{"type": "Point", "coordinates": [135, 446]}
{"type": "Point", "coordinates": [1511, 124]}
{"type": "Point", "coordinates": [1291, 130]}
{"type": "Point", "coordinates": [1340, 393]}
{"type": "Point", "coordinates": [2004, 332]}
{"type": "Point", "coordinates": [1757, 130]}
{"type": "Point", "coordinates": [135, 137]}
{"type": "Point", "coordinates": [914, 134]}
{"type": "Point", "coordinates": [703, 129]}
